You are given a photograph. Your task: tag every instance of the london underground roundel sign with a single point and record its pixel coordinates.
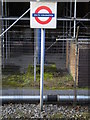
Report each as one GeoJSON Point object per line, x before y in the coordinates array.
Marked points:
{"type": "Point", "coordinates": [49, 14]}
{"type": "Point", "coordinates": [43, 14]}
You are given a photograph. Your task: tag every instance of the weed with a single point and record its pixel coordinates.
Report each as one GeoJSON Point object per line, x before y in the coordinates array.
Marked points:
{"type": "Point", "coordinates": [53, 78]}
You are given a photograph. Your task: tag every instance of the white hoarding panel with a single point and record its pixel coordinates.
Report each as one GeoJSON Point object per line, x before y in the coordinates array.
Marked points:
{"type": "Point", "coordinates": [43, 14]}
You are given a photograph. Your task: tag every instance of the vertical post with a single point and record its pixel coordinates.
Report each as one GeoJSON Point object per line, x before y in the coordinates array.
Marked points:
{"type": "Point", "coordinates": [70, 15]}
{"type": "Point", "coordinates": [70, 36]}
{"type": "Point", "coordinates": [67, 42]}
{"type": "Point", "coordinates": [63, 31]}
{"type": "Point", "coordinates": [6, 28]}
{"type": "Point", "coordinates": [8, 34]}
{"type": "Point", "coordinates": [0, 64]}
{"type": "Point", "coordinates": [2, 38]}
{"type": "Point", "coordinates": [76, 60]}
{"type": "Point", "coordinates": [35, 53]}
{"type": "Point", "coordinates": [39, 45]}
{"type": "Point", "coordinates": [42, 67]}
{"type": "Point", "coordinates": [63, 40]}
{"type": "Point", "coordinates": [66, 16]}
{"type": "Point", "coordinates": [74, 18]}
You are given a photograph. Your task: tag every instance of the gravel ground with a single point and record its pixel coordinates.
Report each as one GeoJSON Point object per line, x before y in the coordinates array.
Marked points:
{"type": "Point", "coordinates": [50, 111]}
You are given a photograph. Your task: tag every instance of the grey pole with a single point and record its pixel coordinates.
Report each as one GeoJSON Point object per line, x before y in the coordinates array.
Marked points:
{"type": "Point", "coordinates": [14, 23]}
{"type": "Point", "coordinates": [67, 34]}
{"type": "Point", "coordinates": [75, 18]}
{"type": "Point", "coordinates": [81, 99]}
{"type": "Point", "coordinates": [70, 36]}
{"type": "Point", "coordinates": [35, 53]}
{"type": "Point", "coordinates": [0, 63]}
{"type": "Point", "coordinates": [2, 38]}
{"type": "Point", "coordinates": [70, 15]}
{"type": "Point", "coordinates": [63, 35]}
{"type": "Point", "coordinates": [6, 28]}
{"type": "Point", "coordinates": [59, 19]}
{"type": "Point", "coordinates": [42, 67]}
{"type": "Point", "coordinates": [8, 35]}
{"type": "Point", "coordinates": [66, 16]}
{"type": "Point", "coordinates": [63, 40]}
{"type": "Point", "coordinates": [76, 60]}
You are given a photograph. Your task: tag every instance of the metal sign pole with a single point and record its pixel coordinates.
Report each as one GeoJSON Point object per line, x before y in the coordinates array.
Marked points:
{"type": "Point", "coordinates": [37, 13]}
{"type": "Point", "coordinates": [42, 67]}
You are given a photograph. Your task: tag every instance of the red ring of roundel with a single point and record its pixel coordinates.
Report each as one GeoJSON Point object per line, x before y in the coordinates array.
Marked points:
{"type": "Point", "coordinates": [46, 21]}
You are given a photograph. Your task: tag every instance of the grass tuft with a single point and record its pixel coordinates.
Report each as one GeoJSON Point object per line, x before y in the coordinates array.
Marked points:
{"type": "Point", "coordinates": [53, 78]}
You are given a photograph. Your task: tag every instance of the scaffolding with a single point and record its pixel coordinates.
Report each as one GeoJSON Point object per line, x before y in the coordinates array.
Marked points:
{"type": "Point", "coordinates": [66, 35]}
{"type": "Point", "coordinates": [70, 21]}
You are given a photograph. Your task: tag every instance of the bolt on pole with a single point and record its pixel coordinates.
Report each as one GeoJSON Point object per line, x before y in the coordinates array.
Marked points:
{"type": "Point", "coordinates": [42, 67]}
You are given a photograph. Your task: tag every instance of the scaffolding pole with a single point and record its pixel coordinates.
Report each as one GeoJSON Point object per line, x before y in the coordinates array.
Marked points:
{"type": "Point", "coordinates": [63, 40]}
{"type": "Point", "coordinates": [66, 21]}
{"type": "Point", "coordinates": [2, 38]}
{"type": "Point", "coordinates": [70, 15]}
{"type": "Point", "coordinates": [74, 34]}
{"type": "Point", "coordinates": [14, 23]}
{"type": "Point", "coordinates": [76, 64]}
{"type": "Point", "coordinates": [63, 34]}
{"type": "Point", "coordinates": [0, 63]}
{"type": "Point", "coordinates": [59, 19]}
{"type": "Point", "coordinates": [35, 53]}
{"type": "Point", "coordinates": [6, 32]}
{"type": "Point", "coordinates": [70, 25]}
{"type": "Point", "coordinates": [72, 39]}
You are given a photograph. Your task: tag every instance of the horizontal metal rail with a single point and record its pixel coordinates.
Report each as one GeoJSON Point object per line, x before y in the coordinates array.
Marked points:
{"type": "Point", "coordinates": [72, 39]}
{"type": "Point", "coordinates": [59, 19]}
{"type": "Point", "coordinates": [10, 18]}
{"type": "Point", "coordinates": [72, 19]}
{"type": "Point", "coordinates": [47, 98]}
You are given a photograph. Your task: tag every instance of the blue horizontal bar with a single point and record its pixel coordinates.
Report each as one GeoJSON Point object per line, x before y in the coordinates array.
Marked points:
{"type": "Point", "coordinates": [43, 15]}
